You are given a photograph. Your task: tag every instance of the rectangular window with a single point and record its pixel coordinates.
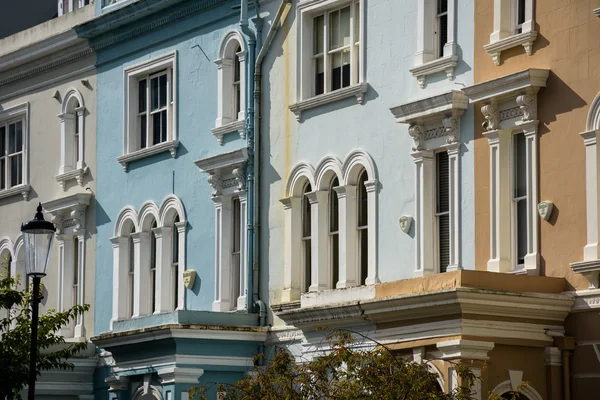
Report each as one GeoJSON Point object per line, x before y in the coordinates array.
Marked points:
{"type": "Point", "coordinates": [236, 85]}
{"type": "Point", "coordinates": [153, 267]}
{"type": "Point", "coordinates": [11, 154]}
{"type": "Point", "coordinates": [442, 211]}
{"type": "Point", "coordinates": [441, 20]}
{"type": "Point", "coordinates": [518, 15]}
{"type": "Point", "coordinates": [153, 108]}
{"type": "Point", "coordinates": [131, 274]}
{"type": "Point", "coordinates": [175, 265]}
{"type": "Point", "coordinates": [363, 228]}
{"type": "Point", "coordinates": [334, 234]}
{"type": "Point", "coordinates": [75, 269]}
{"type": "Point", "coordinates": [520, 197]}
{"type": "Point", "coordinates": [336, 45]}
{"type": "Point", "coordinates": [236, 251]}
{"type": "Point", "coordinates": [306, 240]}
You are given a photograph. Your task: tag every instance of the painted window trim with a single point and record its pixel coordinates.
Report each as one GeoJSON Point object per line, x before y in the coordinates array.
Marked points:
{"type": "Point", "coordinates": [434, 125]}
{"type": "Point", "coordinates": [426, 62]}
{"type": "Point", "coordinates": [72, 3]}
{"type": "Point", "coordinates": [67, 170]}
{"type": "Point", "coordinates": [504, 37]}
{"type": "Point", "coordinates": [164, 216]}
{"type": "Point", "coordinates": [307, 9]}
{"type": "Point", "coordinates": [131, 76]}
{"type": "Point", "coordinates": [347, 173]}
{"type": "Point", "coordinates": [510, 106]}
{"type": "Point", "coordinates": [226, 122]}
{"type": "Point", "coordinates": [227, 176]}
{"type": "Point", "coordinates": [22, 111]}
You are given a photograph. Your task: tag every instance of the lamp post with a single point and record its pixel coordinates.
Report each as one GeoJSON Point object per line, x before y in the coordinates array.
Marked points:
{"type": "Point", "coordinates": [37, 238]}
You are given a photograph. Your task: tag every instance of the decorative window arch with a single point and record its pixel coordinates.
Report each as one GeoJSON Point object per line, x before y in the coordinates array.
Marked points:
{"type": "Point", "coordinates": [149, 219]}
{"type": "Point", "coordinates": [231, 81]}
{"type": "Point", "coordinates": [147, 393]}
{"type": "Point", "coordinates": [72, 139]}
{"type": "Point", "coordinates": [526, 390]}
{"type": "Point", "coordinates": [7, 256]}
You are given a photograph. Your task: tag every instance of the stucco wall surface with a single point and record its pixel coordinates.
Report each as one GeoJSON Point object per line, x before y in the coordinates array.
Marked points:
{"type": "Point", "coordinates": [567, 45]}
{"type": "Point", "coordinates": [196, 40]}
{"type": "Point", "coordinates": [338, 128]}
{"type": "Point", "coordinates": [44, 163]}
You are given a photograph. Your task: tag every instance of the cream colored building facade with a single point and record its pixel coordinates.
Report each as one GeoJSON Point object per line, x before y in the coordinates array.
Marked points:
{"type": "Point", "coordinates": [47, 129]}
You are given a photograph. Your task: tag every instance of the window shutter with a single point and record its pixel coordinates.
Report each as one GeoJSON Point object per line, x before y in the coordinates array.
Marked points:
{"type": "Point", "coordinates": [443, 208]}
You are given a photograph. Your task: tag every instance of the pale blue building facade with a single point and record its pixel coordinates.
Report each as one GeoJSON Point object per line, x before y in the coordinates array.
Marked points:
{"type": "Point", "coordinates": [172, 308]}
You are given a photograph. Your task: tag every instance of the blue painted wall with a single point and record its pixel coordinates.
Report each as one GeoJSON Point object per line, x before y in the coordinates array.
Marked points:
{"type": "Point", "coordinates": [155, 177]}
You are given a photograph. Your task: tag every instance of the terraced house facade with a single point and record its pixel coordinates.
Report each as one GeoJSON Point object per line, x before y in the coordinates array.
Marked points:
{"type": "Point", "coordinates": [229, 176]}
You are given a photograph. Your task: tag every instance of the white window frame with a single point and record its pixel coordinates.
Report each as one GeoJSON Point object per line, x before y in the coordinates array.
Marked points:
{"type": "Point", "coordinates": [72, 140]}
{"type": "Point", "coordinates": [7, 116]}
{"type": "Point", "coordinates": [434, 126]}
{"type": "Point", "coordinates": [72, 5]}
{"type": "Point", "coordinates": [427, 60]}
{"type": "Point", "coordinates": [226, 175]}
{"type": "Point", "coordinates": [131, 137]}
{"type": "Point", "coordinates": [505, 35]}
{"type": "Point", "coordinates": [226, 121]}
{"type": "Point", "coordinates": [305, 83]}
{"type": "Point", "coordinates": [437, 214]}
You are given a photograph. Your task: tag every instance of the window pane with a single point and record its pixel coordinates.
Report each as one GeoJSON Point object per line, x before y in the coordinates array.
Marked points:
{"type": "Point", "coordinates": [520, 11]}
{"type": "Point", "coordinates": [357, 23]}
{"type": "Point", "coordinates": [236, 225]}
{"type": "Point", "coordinates": [443, 182]}
{"type": "Point", "coordinates": [12, 136]}
{"type": "Point", "coordinates": [336, 71]}
{"type": "Point", "coordinates": [346, 68]}
{"type": "Point", "coordinates": [143, 131]}
{"type": "Point", "coordinates": [345, 26]}
{"type": "Point", "coordinates": [75, 261]}
{"type": "Point", "coordinates": [306, 219]}
{"type": "Point", "coordinates": [156, 126]}
{"type": "Point", "coordinates": [442, 34]}
{"type": "Point", "coordinates": [520, 157]}
{"type": "Point", "coordinates": [320, 76]}
{"type": "Point", "coordinates": [16, 174]}
{"type": "Point", "coordinates": [442, 6]}
{"type": "Point", "coordinates": [335, 259]}
{"type": "Point", "coordinates": [362, 200]}
{"type": "Point", "coordinates": [162, 81]}
{"type": "Point", "coordinates": [444, 241]}
{"type": "Point", "coordinates": [2, 140]}
{"type": "Point", "coordinates": [307, 265]}
{"type": "Point", "coordinates": [333, 207]}
{"type": "Point", "coordinates": [363, 237]}
{"type": "Point", "coordinates": [318, 31]}
{"type": "Point", "coordinates": [236, 66]}
{"type": "Point", "coordinates": [19, 135]}
{"type": "Point", "coordinates": [154, 94]}
{"type": "Point", "coordinates": [3, 173]}
{"type": "Point", "coordinates": [334, 30]}
{"type": "Point", "coordinates": [163, 126]}
{"type": "Point", "coordinates": [521, 231]}
{"type": "Point", "coordinates": [142, 96]}
{"type": "Point", "coordinates": [175, 241]}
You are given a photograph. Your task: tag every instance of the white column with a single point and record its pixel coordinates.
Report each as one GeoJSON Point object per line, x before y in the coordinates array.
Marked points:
{"type": "Point", "coordinates": [80, 327]}
{"type": "Point", "coordinates": [292, 249]}
{"type": "Point", "coordinates": [425, 27]}
{"type": "Point", "coordinates": [372, 220]}
{"type": "Point", "coordinates": [223, 224]}
{"type": "Point", "coordinates": [319, 240]}
{"type": "Point", "coordinates": [241, 300]}
{"type": "Point", "coordinates": [224, 96]}
{"type": "Point", "coordinates": [424, 202]}
{"type": "Point", "coordinates": [590, 251]}
{"type": "Point", "coordinates": [120, 277]}
{"type": "Point", "coordinates": [242, 114]}
{"type": "Point", "coordinates": [181, 228]}
{"type": "Point", "coordinates": [500, 201]}
{"type": "Point", "coordinates": [349, 275]}
{"type": "Point", "coordinates": [142, 302]}
{"type": "Point", "coordinates": [502, 20]}
{"type": "Point", "coordinates": [65, 278]}
{"type": "Point", "coordinates": [81, 143]}
{"type": "Point", "coordinates": [450, 46]}
{"type": "Point", "coordinates": [67, 132]}
{"type": "Point", "coordinates": [164, 257]}
{"type": "Point", "coordinates": [532, 258]}
{"type": "Point", "coordinates": [454, 172]}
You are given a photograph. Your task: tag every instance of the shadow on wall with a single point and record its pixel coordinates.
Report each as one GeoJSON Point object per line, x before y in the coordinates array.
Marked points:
{"type": "Point", "coordinates": [102, 217]}
{"type": "Point", "coordinates": [548, 109]}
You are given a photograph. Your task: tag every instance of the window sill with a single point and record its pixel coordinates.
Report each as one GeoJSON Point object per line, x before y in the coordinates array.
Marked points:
{"type": "Point", "coordinates": [447, 64]}
{"type": "Point", "coordinates": [524, 39]}
{"type": "Point", "coordinates": [357, 90]}
{"type": "Point", "coordinates": [170, 146]}
{"type": "Point", "coordinates": [239, 126]}
{"type": "Point", "coordinates": [78, 174]}
{"type": "Point", "coordinates": [19, 189]}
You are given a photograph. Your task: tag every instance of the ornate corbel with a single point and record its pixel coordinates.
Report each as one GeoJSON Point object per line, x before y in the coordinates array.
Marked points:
{"type": "Point", "coordinates": [58, 220]}
{"type": "Point", "coordinates": [528, 104]}
{"type": "Point", "coordinates": [78, 216]}
{"type": "Point", "coordinates": [451, 126]}
{"type": "Point", "coordinates": [240, 177]}
{"type": "Point", "coordinates": [492, 117]}
{"type": "Point", "coordinates": [215, 181]}
{"type": "Point", "coordinates": [418, 135]}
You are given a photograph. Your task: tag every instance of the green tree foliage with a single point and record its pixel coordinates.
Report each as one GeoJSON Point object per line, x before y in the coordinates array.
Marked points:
{"type": "Point", "coordinates": [15, 338]}
{"type": "Point", "coordinates": [346, 372]}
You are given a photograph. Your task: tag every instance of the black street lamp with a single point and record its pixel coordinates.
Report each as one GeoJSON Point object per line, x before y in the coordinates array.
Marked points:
{"type": "Point", "coordinates": [37, 238]}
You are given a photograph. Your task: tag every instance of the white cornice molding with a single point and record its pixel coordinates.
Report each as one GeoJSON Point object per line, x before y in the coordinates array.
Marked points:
{"type": "Point", "coordinates": [357, 90]}
{"type": "Point", "coordinates": [434, 108]}
{"type": "Point", "coordinates": [175, 375]}
{"type": "Point", "coordinates": [443, 64]}
{"type": "Point", "coordinates": [585, 300]}
{"type": "Point", "coordinates": [508, 86]}
{"type": "Point", "coordinates": [170, 146]}
{"type": "Point", "coordinates": [77, 174]}
{"type": "Point", "coordinates": [524, 39]}
{"type": "Point", "coordinates": [466, 349]}
{"type": "Point", "coordinates": [67, 203]}
{"type": "Point", "coordinates": [237, 126]}
{"type": "Point", "coordinates": [223, 161]}
{"type": "Point", "coordinates": [23, 190]}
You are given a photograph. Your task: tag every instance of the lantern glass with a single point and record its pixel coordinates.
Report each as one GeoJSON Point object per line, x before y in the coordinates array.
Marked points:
{"type": "Point", "coordinates": [37, 251]}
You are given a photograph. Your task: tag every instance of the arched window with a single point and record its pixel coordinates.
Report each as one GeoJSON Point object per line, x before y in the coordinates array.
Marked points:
{"type": "Point", "coordinates": [175, 264]}
{"type": "Point", "coordinates": [236, 261]}
{"type": "Point", "coordinates": [334, 233]}
{"type": "Point", "coordinates": [231, 67]}
{"type": "Point", "coordinates": [306, 240]}
{"type": "Point", "coordinates": [363, 228]}
{"type": "Point", "coordinates": [72, 157]}
{"type": "Point", "coordinates": [153, 266]}
{"type": "Point", "coordinates": [6, 261]}
{"type": "Point", "coordinates": [131, 271]}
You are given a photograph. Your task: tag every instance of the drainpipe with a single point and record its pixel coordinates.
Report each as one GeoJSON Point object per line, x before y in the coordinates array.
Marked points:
{"type": "Point", "coordinates": [257, 130]}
